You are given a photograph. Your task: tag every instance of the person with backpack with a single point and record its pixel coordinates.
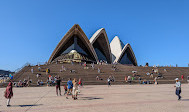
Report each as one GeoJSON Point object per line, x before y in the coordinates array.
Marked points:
{"type": "Point", "coordinates": [70, 86]}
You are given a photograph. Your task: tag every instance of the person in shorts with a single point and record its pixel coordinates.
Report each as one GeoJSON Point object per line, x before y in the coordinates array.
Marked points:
{"type": "Point", "coordinates": [70, 86]}
{"type": "Point", "coordinates": [75, 89]}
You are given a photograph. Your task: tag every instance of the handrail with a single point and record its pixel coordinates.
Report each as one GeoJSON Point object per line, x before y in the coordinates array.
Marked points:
{"type": "Point", "coordinates": [17, 70]}
{"type": "Point", "coordinates": [29, 64]}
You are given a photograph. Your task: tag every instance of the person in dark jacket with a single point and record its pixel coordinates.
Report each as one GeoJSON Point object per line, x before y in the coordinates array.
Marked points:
{"type": "Point", "coordinates": [58, 81]}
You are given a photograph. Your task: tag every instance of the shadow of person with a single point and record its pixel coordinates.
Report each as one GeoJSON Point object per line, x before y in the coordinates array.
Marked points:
{"type": "Point", "coordinates": [184, 99]}
{"type": "Point", "coordinates": [26, 105]}
{"type": "Point", "coordinates": [90, 98]}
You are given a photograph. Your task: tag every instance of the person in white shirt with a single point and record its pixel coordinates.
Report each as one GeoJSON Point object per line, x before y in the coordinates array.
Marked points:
{"type": "Point", "coordinates": [109, 84]}
{"type": "Point", "coordinates": [32, 70]}
{"type": "Point", "coordinates": [178, 88]}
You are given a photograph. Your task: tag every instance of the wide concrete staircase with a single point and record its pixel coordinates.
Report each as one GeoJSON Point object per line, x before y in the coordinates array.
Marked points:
{"type": "Point", "coordinates": [89, 75]}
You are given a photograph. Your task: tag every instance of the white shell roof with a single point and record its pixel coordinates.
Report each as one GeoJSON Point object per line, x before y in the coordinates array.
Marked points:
{"type": "Point", "coordinates": [116, 47]}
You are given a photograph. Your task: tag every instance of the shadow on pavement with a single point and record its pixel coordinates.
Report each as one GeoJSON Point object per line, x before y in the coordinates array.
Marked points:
{"type": "Point", "coordinates": [88, 87]}
{"type": "Point", "coordinates": [89, 98]}
{"type": "Point", "coordinates": [184, 99]}
{"type": "Point", "coordinates": [25, 105]}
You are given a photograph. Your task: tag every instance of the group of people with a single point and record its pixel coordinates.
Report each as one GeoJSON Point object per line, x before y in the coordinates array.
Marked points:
{"type": "Point", "coordinates": [24, 83]}
{"type": "Point", "coordinates": [72, 87]}
{"type": "Point", "coordinates": [102, 62]}
{"type": "Point", "coordinates": [129, 79]}
{"type": "Point", "coordinates": [51, 80]}
{"type": "Point", "coordinates": [40, 82]}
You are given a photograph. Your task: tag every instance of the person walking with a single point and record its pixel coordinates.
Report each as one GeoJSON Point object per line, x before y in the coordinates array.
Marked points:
{"type": "Point", "coordinates": [70, 86]}
{"type": "Point", "coordinates": [109, 82]}
{"type": "Point", "coordinates": [58, 80]}
{"type": "Point", "coordinates": [8, 93]}
{"type": "Point", "coordinates": [75, 89]}
{"type": "Point", "coordinates": [178, 88]}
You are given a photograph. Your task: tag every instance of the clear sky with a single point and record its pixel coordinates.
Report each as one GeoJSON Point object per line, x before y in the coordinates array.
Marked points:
{"type": "Point", "coordinates": [158, 30]}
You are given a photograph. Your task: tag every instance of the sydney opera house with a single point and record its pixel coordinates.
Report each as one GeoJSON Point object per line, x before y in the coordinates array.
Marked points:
{"type": "Point", "coordinates": [76, 47]}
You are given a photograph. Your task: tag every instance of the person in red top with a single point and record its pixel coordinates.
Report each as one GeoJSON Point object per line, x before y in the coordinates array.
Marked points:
{"type": "Point", "coordinates": [182, 77]}
{"type": "Point", "coordinates": [65, 89]}
{"type": "Point", "coordinates": [80, 82]}
{"type": "Point", "coordinates": [8, 93]}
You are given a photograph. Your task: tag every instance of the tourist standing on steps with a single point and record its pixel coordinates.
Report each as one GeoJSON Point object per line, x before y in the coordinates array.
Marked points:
{"type": "Point", "coordinates": [80, 82]}
{"type": "Point", "coordinates": [178, 88]}
{"type": "Point", "coordinates": [32, 70]}
{"type": "Point", "coordinates": [9, 93]}
{"type": "Point", "coordinates": [39, 68]}
{"type": "Point", "coordinates": [129, 79]}
{"type": "Point", "coordinates": [58, 80]}
{"type": "Point", "coordinates": [125, 78]}
{"type": "Point", "coordinates": [70, 86]}
{"type": "Point", "coordinates": [47, 71]}
{"type": "Point", "coordinates": [98, 70]}
{"type": "Point", "coordinates": [182, 77]}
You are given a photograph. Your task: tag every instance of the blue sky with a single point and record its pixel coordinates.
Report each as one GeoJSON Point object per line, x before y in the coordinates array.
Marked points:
{"type": "Point", "coordinates": [158, 30]}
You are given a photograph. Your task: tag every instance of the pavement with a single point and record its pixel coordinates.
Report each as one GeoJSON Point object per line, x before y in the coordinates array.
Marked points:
{"type": "Point", "coordinates": [99, 98]}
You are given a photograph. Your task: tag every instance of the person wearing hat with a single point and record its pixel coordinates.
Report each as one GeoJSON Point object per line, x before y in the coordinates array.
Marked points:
{"type": "Point", "coordinates": [178, 88]}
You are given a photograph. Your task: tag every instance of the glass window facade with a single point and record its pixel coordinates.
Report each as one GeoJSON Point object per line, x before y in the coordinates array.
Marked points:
{"type": "Point", "coordinates": [101, 48]}
{"type": "Point", "coordinates": [75, 43]}
{"type": "Point", "coordinates": [100, 55]}
{"type": "Point", "coordinates": [126, 58]}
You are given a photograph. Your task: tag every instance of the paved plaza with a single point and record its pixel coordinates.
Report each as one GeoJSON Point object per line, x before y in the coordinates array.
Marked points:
{"type": "Point", "coordinates": [99, 98]}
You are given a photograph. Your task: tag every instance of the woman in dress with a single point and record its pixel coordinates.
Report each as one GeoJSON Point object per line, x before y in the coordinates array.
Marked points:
{"type": "Point", "coordinates": [8, 93]}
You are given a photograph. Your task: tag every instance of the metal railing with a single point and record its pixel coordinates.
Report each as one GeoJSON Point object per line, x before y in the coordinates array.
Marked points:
{"type": "Point", "coordinates": [17, 70]}
{"type": "Point", "coordinates": [4, 80]}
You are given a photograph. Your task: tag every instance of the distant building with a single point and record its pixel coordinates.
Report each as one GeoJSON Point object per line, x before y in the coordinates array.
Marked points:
{"type": "Point", "coordinates": [4, 73]}
{"type": "Point", "coordinates": [76, 47]}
